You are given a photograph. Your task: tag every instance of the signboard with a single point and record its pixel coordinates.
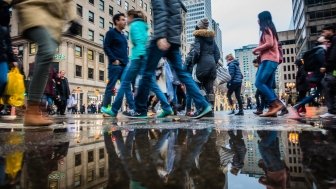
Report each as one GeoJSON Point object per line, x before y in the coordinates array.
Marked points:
{"type": "Point", "coordinates": [59, 57]}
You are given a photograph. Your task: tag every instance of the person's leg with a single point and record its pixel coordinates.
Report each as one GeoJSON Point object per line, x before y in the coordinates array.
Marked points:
{"type": "Point", "coordinates": [209, 87]}
{"type": "Point", "coordinates": [114, 73]}
{"type": "Point", "coordinates": [159, 94]}
{"type": "Point", "coordinates": [237, 92]}
{"type": "Point", "coordinates": [264, 79]}
{"type": "Point", "coordinates": [229, 96]}
{"type": "Point", "coordinates": [3, 76]}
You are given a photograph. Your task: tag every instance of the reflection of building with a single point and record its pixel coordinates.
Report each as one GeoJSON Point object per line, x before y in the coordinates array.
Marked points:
{"type": "Point", "coordinates": [245, 57]}
{"type": "Point", "coordinates": [252, 156]}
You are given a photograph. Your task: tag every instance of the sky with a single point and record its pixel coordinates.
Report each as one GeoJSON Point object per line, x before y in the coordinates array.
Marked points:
{"type": "Point", "coordinates": [238, 20]}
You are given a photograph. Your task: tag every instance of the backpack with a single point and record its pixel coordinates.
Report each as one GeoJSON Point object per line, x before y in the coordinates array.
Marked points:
{"type": "Point", "coordinates": [314, 59]}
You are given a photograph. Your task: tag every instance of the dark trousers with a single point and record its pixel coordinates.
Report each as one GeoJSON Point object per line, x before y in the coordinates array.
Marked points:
{"type": "Point", "coordinates": [61, 106]}
{"type": "Point", "coordinates": [260, 100]}
{"type": "Point", "coordinates": [236, 88]}
{"type": "Point", "coordinates": [329, 86]}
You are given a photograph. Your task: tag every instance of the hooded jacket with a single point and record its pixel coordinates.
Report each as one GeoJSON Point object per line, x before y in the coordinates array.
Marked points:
{"type": "Point", "coordinates": [206, 53]}
{"type": "Point", "coordinates": [234, 70]}
{"type": "Point", "coordinates": [139, 37]}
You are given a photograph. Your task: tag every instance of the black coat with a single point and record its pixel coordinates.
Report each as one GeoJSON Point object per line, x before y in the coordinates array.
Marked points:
{"type": "Point", "coordinates": [6, 53]}
{"type": "Point", "coordinates": [62, 88]}
{"type": "Point", "coordinates": [301, 79]}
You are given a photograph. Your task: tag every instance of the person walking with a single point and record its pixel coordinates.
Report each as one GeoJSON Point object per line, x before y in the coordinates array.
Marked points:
{"type": "Point", "coordinates": [269, 55]}
{"type": "Point", "coordinates": [206, 56]}
{"type": "Point", "coordinates": [63, 92]}
{"type": "Point", "coordinates": [166, 42]}
{"type": "Point", "coordinates": [235, 84]}
{"type": "Point", "coordinates": [116, 49]}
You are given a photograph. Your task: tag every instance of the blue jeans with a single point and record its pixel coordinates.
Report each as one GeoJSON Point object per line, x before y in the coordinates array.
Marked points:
{"type": "Point", "coordinates": [114, 74]}
{"type": "Point", "coordinates": [308, 99]}
{"type": "Point", "coordinates": [3, 76]}
{"type": "Point", "coordinates": [174, 57]}
{"type": "Point", "coordinates": [265, 79]}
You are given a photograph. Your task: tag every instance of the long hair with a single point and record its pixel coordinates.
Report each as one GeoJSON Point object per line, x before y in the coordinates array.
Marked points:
{"type": "Point", "coordinates": [136, 14]}
{"type": "Point", "coordinates": [265, 23]}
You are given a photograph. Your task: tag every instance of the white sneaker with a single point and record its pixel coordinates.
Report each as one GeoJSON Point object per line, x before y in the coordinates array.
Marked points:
{"type": "Point", "coordinates": [328, 115]}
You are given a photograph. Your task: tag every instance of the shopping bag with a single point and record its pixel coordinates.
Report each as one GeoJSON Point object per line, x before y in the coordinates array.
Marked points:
{"type": "Point", "coordinates": [223, 75]}
{"type": "Point", "coordinates": [15, 88]}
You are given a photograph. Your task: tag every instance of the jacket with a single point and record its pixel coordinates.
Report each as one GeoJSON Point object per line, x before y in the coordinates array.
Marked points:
{"type": "Point", "coordinates": [62, 88]}
{"type": "Point", "coordinates": [139, 38]}
{"type": "Point", "coordinates": [206, 53]}
{"type": "Point", "coordinates": [50, 88]}
{"type": "Point", "coordinates": [6, 53]}
{"type": "Point", "coordinates": [50, 14]}
{"type": "Point", "coordinates": [189, 59]}
{"type": "Point", "coordinates": [167, 20]}
{"type": "Point", "coordinates": [268, 47]}
{"type": "Point", "coordinates": [115, 46]}
{"type": "Point", "coordinates": [234, 70]}
{"type": "Point", "coordinates": [301, 79]}
{"type": "Point", "coordinates": [330, 63]}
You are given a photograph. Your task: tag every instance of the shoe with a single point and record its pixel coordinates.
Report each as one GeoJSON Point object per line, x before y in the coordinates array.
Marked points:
{"type": "Point", "coordinates": [273, 110]}
{"type": "Point", "coordinates": [283, 112]}
{"type": "Point", "coordinates": [165, 113]}
{"type": "Point", "coordinates": [210, 114]}
{"type": "Point", "coordinates": [258, 112]}
{"type": "Point", "coordinates": [33, 116]}
{"type": "Point", "coordinates": [241, 112]}
{"type": "Point", "coordinates": [202, 112]}
{"type": "Point", "coordinates": [135, 115]}
{"type": "Point", "coordinates": [328, 115]}
{"type": "Point", "coordinates": [232, 112]}
{"type": "Point", "coordinates": [189, 113]}
{"type": "Point", "coordinates": [107, 111]}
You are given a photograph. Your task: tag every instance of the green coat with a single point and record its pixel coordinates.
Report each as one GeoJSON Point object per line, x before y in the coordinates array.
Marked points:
{"type": "Point", "coordinates": [139, 38]}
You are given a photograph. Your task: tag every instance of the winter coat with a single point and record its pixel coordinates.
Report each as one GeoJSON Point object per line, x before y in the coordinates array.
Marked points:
{"type": "Point", "coordinates": [330, 63]}
{"type": "Point", "coordinates": [189, 59]}
{"type": "Point", "coordinates": [50, 88]}
{"type": "Point", "coordinates": [167, 20]}
{"type": "Point", "coordinates": [234, 70]}
{"type": "Point", "coordinates": [206, 54]}
{"type": "Point", "coordinates": [62, 88]}
{"type": "Point", "coordinates": [50, 14]}
{"type": "Point", "coordinates": [6, 54]}
{"type": "Point", "coordinates": [301, 79]}
{"type": "Point", "coordinates": [139, 37]}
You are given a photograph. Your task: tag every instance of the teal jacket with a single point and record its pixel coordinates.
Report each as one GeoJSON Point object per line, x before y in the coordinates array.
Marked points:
{"type": "Point", "coordinates": [139, 38]}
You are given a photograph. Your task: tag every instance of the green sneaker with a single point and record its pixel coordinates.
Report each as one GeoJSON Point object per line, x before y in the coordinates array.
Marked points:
{"type": "Point", "coordinates": [202, 112]}
{"type": "Point", "coordinates": [165, 113]}
{"type": "Point", "coordinates": [107, 111]}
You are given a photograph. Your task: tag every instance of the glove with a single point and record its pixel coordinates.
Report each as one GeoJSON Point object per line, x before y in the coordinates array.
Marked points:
{"type": "Point", "coordinates": [75, 28]}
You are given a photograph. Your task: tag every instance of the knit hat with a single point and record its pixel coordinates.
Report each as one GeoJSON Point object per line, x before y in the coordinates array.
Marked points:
{"type": "Point", "coordinates": [203, 24]}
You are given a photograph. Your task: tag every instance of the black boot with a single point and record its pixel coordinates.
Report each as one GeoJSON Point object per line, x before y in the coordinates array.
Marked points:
{"type": "Point", "coordinates": [241, 112]}
{"type": "Point", "coordinates": [232, 112]}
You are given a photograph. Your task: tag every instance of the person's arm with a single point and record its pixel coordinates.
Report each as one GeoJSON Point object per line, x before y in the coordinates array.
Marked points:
{"type": "Point", "coordinates": [108, 46]}
{"type": "Point", "coordinates": [269, 42]}
{"type": "Point", "coordinates": [197, 50]}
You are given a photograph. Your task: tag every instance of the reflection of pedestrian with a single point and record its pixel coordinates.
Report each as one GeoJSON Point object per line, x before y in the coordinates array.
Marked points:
{"type": "Point", "coordinates": [238, 147]}
{"type": "Point", "coordinates": [63, 92]}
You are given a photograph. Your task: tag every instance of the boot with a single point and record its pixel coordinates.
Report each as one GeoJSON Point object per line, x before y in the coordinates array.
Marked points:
{"type": "Point", "coordinates": [258, 112]}
{"type": "Point", "coordinates": [211, 99]}
{"type": "Point", "coordinates": [273, 110]}
{"type": "Point", "coordinates": [232, 112]}
{"type": "Point", "coordinates": [241, 112]}
{"type": "Point", "coordinates": [33, 116]}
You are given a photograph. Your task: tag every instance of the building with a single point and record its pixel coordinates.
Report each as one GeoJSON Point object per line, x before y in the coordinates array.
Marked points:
{"type": "Point", "coordinates": [82, 57]}
{"type": "Point", "coordinates": [218, 38]}
{"type": "Point", "coordinates": [309, 18]}
{"type": "Point", "coordinates": [197, 9]}
{"type": "Point", "coordinates": [245, 57]}
{"type": "Point", "coordinates": [287, 70]}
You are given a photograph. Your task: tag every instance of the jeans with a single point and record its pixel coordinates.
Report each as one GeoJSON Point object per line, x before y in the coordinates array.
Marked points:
{"type": "Point", "coordinates": [45, 54]}
{"type": "Point", "coordinates": [114, 74]}
{"type": "Point", "coordinates": [236, 88]}
{"type": "Point", "coordinates": [310, 98]}
{"type": "Point", "coordinates": [329, 85]}
{"type": "Point", "coordinates": [260, 100]}
{"type": "Point", "coordinates": [265, 79]}
{"type": "Point", "coordinates": [174, 57]}
{"type": "Point", "coordinates": [3, 76]}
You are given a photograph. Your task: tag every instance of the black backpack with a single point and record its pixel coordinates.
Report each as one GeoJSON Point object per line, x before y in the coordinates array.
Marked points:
{"type": "Point", "coordinates": [314, 59]}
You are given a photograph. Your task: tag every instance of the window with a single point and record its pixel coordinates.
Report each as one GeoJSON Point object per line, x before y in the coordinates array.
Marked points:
{"type": "Point", "coordinates": [284, 60]}
{"type": "Point", "coordinates": [288, 68]}
{"type": "Point", "coordinates": [292, 51]}
{"type": "Point", "coordinates": [111, 10]}
{"type": "Point", "coordinates": [285, 76]}
{"type": "Point", "coordinates": [91, 1]}
{"type": "Point", "coordinates": [78, 51]}
{"type": "Point", "coordinates": [101, 57]}
{"type": "Point", "coordinates": [78, 159]}
{"type": "Point", "coordinates": [293, 76]}
{"type": "Point", "coordinates": [91, 35]}
{"type": "Point", "coordinates": [284, 68]}
{"type": "Point", "coordinates": [289, 76]}
{"type": "Point", "coordinates": [292, 58]}
{"type": "Point", "coordinates": [90, 176]}
{"type": "Point", "coordinates": [140, 3]}
{"type": "Point", "coordinates": [101, 22]}
{"type": "Point", "coordinates": [101, 172]}
{"type": "Point", "coordinates": [78, 180]}
{"type": "Point", "coordinates": [80, 30]}
{"type": "Point", "coordinates": [101, 151]}
{"type": "Point", "coordinates": [101, 39]}
{"type": "Point", "coordinates": [101, 78]}
{"type": "Point", "coordinates": [78, 71]}
{"type": "Point", "coordinates": [91, 17]}
{"type": "Point", "coordinates": [90, 55]}
{"type": "Point", "coordinates": [145, 6]}
{"type": "Point", "coordinates": [110, 25]}
{"type": "Point", "coordinates": [79, 10]}
{"type": "Point", "coordinates": [101, 5]}
{"type": "Point", "coordinates": [90, 76]}
{"type": "Point", "coordinates": [119, 2]}
{"type": "Point", "coordinates": [126, 5]}
{"type": "Point", "coordinates": [32, 48]}
{"type": "Point", "coordinates": [283, 51]}
{"type": "Point", "coordinates": [293, 67]}
{"type": "Point", "coordinates": [90, 153]}
{"type": "Point", "coordinates": [287, 51]}
{"type": "Point", "coordinates": [288, 60]}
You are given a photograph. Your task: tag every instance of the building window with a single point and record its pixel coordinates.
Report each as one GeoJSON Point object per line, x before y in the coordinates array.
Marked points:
{"type": "Point", "coordinates": [101, 172]}
{"type": "Point", "coordinates": [90, 55]}
{"type": "Point", "coordinates": [91, 17]}
{"type": "Point", "coordinates": [289, 76]}
{"type": "Point", "coordinates": [101, 5]}
{"type": "Point", "coordinates": [91, 1]}
{"type": "Point", "coordinates": [293, 76]}
{"type": "Point", "coordinates": [288, 68]}
{"type": "Point", "coordinates": [110, 25]}
{"type": "Point", "coordinates": [78, 71]}
{"type": "Point", "coordinates": [287, 51]}
{"type": "Point", "coordinates": [285, 76]}
{"type": "Point", "coordinates": [126, 5]}
{"type": "Point", "coordinates": [91, 35]}
{"type": "Point", "coordinates": [78, 180]}
{"type": "Point", "coordinates": [101, 57]}
{"type": "Point", "coordinates": [101, 78]}
{"type": "Point", "coordinates": [140, 3]}
{"type": "Point", "coordinates": [288, 59]}
{"type": "Point", "coordinates": [101, 39]}
{"type": "Point", "coordinates": [119, 2]}
{"type": "Point", "coordinates": [79, 10]}
{"type": "Point", "coordinates": [293, 67]}
{"type": "Point", "coordinates": [90, 76]}
{"type": "Point", "coordinates": [101, 152]}
{"type": "Point", "coordinates": [150, 11]}
{"type": "Point", "coordinates": [80, 30]}
{"type": "Point", "coordinates": [145, 6]}
{"type": "Point", "coordinates": [292, 58]}
{"type": "Point", "coordinates": [284, 68]}
{"type": "Point", "coordinates": [111, 10]}
{"type": "Point", "coordinates": [78, 51]}
{"type": "Point", "coordinates": [32, 48]}
{"type": "Point", "coordinates": [292, 51]}
{"type": "Point", "coordinates": [101, 22]}
{"type": "Point", "coordinates": [78, 158]}
{"type": "Point", "coordinates": [284, 60]}
{"type": "Point", "coordinates": [90, 176]}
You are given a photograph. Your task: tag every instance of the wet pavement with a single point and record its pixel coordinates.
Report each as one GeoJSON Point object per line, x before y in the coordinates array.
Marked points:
{"type": "Point", "coordinates": [227, 152]}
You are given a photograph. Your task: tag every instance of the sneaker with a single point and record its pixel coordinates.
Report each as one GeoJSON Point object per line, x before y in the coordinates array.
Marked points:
{"type": "Point", "coordinates": [202, 112]}
{"type": "Point", "coordinates": [164, 113]}
{"type": "Point", "coordinates": [107, 111]}
{"type": "Point", "coordinates": [328, 115]}
{"type": "Point", "coordinates": [134, 114]}
{"type": "Point", "coordinates": [283, 112]}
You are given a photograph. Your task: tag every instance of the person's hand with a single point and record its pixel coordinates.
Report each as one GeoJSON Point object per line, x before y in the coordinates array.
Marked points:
{"type": "Point", "coordinates": [163, 44]}
{"type": "Point", "coordinates": [116, 62]}
{"type": "Point", "coordinates": [322, 70]}
{"type": "Point", "coordinates": [255, 52]}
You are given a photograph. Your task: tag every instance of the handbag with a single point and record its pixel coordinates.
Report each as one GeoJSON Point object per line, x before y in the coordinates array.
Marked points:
{"type": "Point", "coordinates": [223, 75]}
{"type": "Point", "coordinates": [194, 74]}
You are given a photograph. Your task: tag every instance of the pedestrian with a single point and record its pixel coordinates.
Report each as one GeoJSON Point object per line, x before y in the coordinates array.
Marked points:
{"type": "Point", "coordinates": [63, 92]}
{"type": "Point", "coordinates": [189, 67]}
{"type": "Point", "coordinates": [301, 83]}
{"type": "Point", "coordinates": [249, 103]}
{"type": "Point", "coordinates": [206, 56]}
{"type": "Point", "coordinates": [116, 49]}
{"type": "Point", "coordinates": [50, 89]}
{"type": "Point", "coordinates": [260, 99]}
{"type": "Point", "coordinates": [329, 68]}
{"type": "Point", "coordinates": [235, 84]}
{"type": "Point", "coordinates": [42, 22]}
{"type": "Point", "coordinates": [166, 42]}
{"type": "Point", "coordinates": [269, 55]}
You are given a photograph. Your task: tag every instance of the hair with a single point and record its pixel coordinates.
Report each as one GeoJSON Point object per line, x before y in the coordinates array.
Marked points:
{"type": "Point", "coordinates": [255, 61]}
{"type": "Point", "coordinates": [229, 56]}
{"type": "Point", "coordinates": [116, 17]}
{"type": "Point", "coordinates": [329, 27]}
{"type": "Point", "coordinates": [265, 22]}
{"type": "Point", "coordinates": [136, 14]}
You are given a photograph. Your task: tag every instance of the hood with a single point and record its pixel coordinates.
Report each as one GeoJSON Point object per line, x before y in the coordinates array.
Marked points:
{"type": "Point", "coordinates": [204, 33]}
{"type": "Point", "coordinates": [234, 62]}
